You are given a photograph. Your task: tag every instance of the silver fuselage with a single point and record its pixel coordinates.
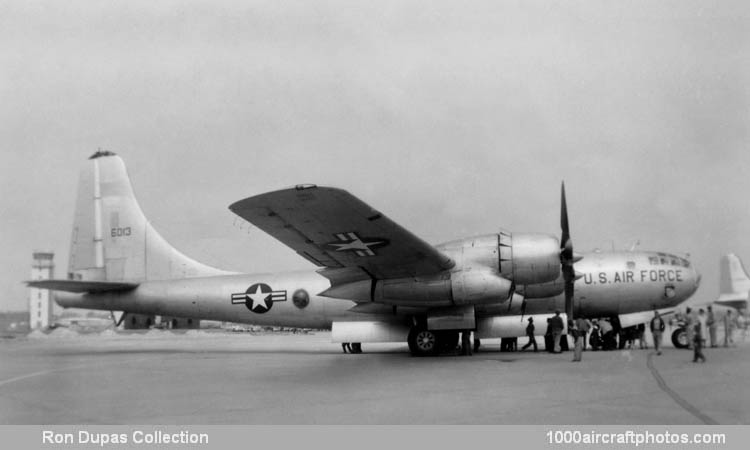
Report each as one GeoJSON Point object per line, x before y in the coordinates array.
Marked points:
{"type": "Point", "coordinates": [612, 283]}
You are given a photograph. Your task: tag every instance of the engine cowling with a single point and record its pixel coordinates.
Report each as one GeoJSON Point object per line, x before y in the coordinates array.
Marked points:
{"type": "Point", "coordinates": [478, 287]}
{"type": "Point", "coordinates": [529, 258]}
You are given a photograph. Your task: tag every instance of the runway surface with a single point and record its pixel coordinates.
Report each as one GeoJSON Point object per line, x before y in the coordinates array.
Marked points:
{"type": "Point", "coordinates": [198, 377]}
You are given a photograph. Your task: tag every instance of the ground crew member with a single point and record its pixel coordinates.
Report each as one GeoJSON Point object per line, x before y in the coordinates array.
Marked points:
{"type": "Point", "coordinates": [580, 327]}
{"type": "Point", "coordinates": [657, 328]}
{"type": "Point", "coordinates": [557, 326]}
{"type": "Point", "coordinates": [698, 343]}
{"type": "Point", "coordinates": [702, 319]}
{"type": "Point", "coordinates": [530, 335]}
{"type": "Point", "coordinates": [690, 327]}
{"type": "Point", "coordinates": [712, 325]}
{"type": "Point", "coordinates": [728, 329]}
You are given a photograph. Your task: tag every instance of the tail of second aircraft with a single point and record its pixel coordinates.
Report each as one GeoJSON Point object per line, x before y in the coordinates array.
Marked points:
{"type": "Point", "coordinates": [733, 276]}
{"type": "Point", "coordinates": [734, 283]}
{"type": "Point", "coordinates": [112, 240]}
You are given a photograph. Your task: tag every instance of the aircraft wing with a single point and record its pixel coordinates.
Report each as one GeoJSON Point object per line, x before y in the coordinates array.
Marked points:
{"type": "Point", "coordinates": [78, 287]}
{"type": "Point", "coordinates": [337, 231]}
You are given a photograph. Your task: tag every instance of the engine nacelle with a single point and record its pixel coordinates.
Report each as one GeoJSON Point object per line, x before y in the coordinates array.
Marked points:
{"type": "Point", "coordinates": [543, 290]}
{"type": "Point", "coordinates": [529, 258]}
{"type": "Point", "coordinates": [479, 287]}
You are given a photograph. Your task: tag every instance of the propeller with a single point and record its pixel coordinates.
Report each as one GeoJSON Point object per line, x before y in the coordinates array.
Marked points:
{"type": "Point", "coordinates": [567, 256]}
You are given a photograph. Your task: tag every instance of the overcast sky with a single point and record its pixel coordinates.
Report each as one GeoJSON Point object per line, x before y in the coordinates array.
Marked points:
{"type": "Point", "coordinates": [452, 118]}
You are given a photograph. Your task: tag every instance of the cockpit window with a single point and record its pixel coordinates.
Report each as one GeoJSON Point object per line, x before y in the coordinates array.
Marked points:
{"type": "Point", "coordinates": [663, 261]}
{"type": "Point", "coordinates": [685, 262]}
{"type": "Point", "coordinates": [653, 260]}
{"type": "Point", "coordinates": [675, 262]}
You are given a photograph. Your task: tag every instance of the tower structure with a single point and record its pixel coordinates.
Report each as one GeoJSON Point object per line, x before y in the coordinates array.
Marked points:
{"type": "Point", "coordinates": [40, 300]}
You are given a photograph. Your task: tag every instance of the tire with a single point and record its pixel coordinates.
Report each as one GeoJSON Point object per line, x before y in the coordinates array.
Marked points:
{"type": "Point", "coordinates": [422, 342]}
{"type": "Point", "coordinates": [679, 338]}
{"type": "Point", "coordinates": [356, 347]}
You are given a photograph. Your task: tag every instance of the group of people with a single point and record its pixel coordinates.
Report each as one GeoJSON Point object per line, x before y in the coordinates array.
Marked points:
{"type": "Point", "coordinates": [603, 333]}
{"type": "Point", "coordinates": [696, 326]}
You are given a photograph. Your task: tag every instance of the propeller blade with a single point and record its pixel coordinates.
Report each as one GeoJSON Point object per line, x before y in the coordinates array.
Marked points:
{"type": "Point", "coordinates": [567, 256]}
{"type": "Point", "coordinates": [569, 291]}
{"type": "Point", "coordinates": [564, 225]}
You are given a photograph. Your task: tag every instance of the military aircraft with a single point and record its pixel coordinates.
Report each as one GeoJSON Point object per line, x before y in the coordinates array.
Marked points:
{"type": "Point", "coordinates": [376, 281]}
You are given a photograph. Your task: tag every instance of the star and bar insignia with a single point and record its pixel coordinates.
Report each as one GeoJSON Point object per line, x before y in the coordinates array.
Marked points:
{"type": "Point", "coordinates": [259, 298]}
{"type": "Point", "coordinates": [350, 241]}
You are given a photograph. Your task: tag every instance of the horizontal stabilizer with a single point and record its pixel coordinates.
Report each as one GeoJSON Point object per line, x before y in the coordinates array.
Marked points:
{"type": "Point", "coordinates": [78, 287]}
{"type": "Point", "coordinates": [736, 304]}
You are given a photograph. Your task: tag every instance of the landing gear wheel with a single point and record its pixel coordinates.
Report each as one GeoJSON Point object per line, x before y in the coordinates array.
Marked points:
{"type": "Point", "coordinates": [477, 343]}
{"type": "Point", "coordinates": [679, 338]}
{"type": "Point", "coordinates": [466, 343]}
{"type": "Point", "coordinates": [356, 347]}
{"type": "Point", "coordinates": [422, 342]}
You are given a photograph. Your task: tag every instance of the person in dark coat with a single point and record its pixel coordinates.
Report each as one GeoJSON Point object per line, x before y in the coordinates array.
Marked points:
{"type": "Point", "coordinates": [530, 335]}
{"type": "Point", "coordinates": [657, 328]}
{"type": "Point", "coordinates": [698, 343]}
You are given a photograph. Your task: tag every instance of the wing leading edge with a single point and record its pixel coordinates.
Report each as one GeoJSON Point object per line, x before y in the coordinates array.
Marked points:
{"type": "Point", "coordinates": [337, 231]}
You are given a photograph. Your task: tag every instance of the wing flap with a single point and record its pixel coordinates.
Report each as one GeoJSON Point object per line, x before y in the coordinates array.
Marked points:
{"type": "Point", "coordinates": [334, 229]}
{"type": "Point", "coordinates": [78, 287]}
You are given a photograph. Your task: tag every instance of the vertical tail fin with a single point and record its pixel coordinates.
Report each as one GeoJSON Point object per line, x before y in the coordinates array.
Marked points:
{"type": "Point", "coordinates": [112, 240]}
{"type": "Point", "coordinates": [733, 276]}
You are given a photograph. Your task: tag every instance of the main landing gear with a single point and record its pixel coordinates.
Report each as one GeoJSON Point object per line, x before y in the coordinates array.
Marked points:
{"type": "Point", "coordinates": [424, 342]}
{"type": "Point", "coordinates": [351, 347]}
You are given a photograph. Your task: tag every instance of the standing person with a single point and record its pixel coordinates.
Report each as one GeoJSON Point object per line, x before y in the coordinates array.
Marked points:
{"type": "Point", "coordinates": [581, 326]}
{"type": "Point", "coordinates": [589, 327]}
{"type": "Point", "coordinates": [608, 340]}
{"type": "Point", "coordinates": [742, 323]}
{"type": "Point", "coordinates": [728, 328]}
{"type": "Point", "coordinates": [711, 323]}
{"type": "Point", "coordinates": [657, 328]}
{"type": "Point", "coordinates": [698, 343]}
{"type": "Point", "coordinates": [702, 319]}
{"type": "Point", "coordinates": [556, 323]}
{"type": "Point", "coordinates": [576, 333]}
{"type": "Point", "coordinates": [690, 326]}
{"type": "Point", "coordinates": [530, 335]}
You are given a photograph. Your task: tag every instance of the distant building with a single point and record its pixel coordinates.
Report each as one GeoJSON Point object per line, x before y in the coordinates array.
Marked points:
{"type": "Point", "coordinates": [133, 321]}
{"type": "Point", "coordinates": [40, 300]}
{"type": "Point", "coordinates": [176, 323]}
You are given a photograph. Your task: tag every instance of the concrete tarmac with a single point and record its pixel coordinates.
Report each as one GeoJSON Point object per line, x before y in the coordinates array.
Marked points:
{"type": "Point", "coordinates": [199, 377]}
